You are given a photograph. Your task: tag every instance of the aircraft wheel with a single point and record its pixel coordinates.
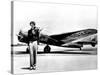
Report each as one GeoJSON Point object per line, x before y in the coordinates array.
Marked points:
{"type": "Point", "coordinates": [27, 50]}
{"type": "Point", "coordinates": [93, 45]}
{"type": "Point", "coordinates": [47, 49]}
{"type": "Point", "coordinates": [80, 48]}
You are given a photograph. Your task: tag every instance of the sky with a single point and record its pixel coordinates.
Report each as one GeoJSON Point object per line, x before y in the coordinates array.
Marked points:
{"type": "Point", "coordinates": [53, 18]}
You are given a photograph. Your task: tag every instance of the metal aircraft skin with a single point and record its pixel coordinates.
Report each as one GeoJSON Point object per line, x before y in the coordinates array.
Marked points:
{"type": "Point", "coordinates": [72, 39]}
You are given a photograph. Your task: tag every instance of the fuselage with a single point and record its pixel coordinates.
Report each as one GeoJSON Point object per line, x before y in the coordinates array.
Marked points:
{"type": "Point", "coordinates": [82, 36]}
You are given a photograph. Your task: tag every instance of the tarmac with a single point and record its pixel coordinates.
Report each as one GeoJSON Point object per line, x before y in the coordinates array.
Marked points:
{"type": "Point", "coordinates": [58, 60]}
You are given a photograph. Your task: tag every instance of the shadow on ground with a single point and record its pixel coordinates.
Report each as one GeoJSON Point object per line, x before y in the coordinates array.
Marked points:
{"type": "Point", "coordinates": [84, 51]}
{"type": "Point", "coordinates": [27, 68]}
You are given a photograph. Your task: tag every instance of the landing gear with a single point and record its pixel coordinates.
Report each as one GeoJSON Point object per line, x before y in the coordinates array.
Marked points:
{"type": "Point", "coordinates": [80, 48]}
{"type": "Point", "coordinates": [47, 49]}
{"type": "Point", "coordinates": [27, 50]}
{"type": "Point", "coordinates": [93, 45]}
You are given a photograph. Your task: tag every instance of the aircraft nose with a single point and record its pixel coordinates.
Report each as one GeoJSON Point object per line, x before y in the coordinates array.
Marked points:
{"type": "Point", "coordinates": [20, 37]}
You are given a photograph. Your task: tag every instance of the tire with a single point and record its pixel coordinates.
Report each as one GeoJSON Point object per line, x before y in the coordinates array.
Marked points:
{"type": "Point", "coordinates": [93, 45]}
{"type": "Point", "coordinates": [27, 50]}
{"type": "Point", "coordinates": [80, 48]}
{"type": "Point", "coordinates": [47, 49]}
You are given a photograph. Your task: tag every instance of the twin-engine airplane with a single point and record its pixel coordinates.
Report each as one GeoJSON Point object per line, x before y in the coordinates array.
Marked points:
{"type": "Point", "coordinates": [71, 40]}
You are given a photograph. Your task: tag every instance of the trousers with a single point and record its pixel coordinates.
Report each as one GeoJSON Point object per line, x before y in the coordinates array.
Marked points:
{"type": "Point", "coordinates": [33, 47]}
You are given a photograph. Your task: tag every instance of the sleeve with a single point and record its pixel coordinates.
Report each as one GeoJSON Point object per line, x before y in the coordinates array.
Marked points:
{"type": "Point", "coordinates": [29, 35]}
{"type": "Point", "coordinates": [28, 32]}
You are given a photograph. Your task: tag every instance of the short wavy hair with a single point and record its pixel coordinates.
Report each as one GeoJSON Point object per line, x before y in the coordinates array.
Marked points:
{"type": "Point", "coordinates": [32, 22]}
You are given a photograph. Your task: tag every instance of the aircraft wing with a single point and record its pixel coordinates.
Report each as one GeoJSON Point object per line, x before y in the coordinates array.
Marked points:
{"type": "Point", "coordinates": [49, 40]}
{"type": "Point", "coordinates": [54, 39]}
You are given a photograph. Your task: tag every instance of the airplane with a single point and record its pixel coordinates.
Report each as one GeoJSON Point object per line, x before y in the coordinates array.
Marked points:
{"type": "Point", "coordinates": [71, 39]}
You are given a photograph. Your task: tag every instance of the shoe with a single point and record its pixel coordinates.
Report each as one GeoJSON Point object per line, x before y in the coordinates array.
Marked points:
{"type": "Point", "coordinates": [32, 67]}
